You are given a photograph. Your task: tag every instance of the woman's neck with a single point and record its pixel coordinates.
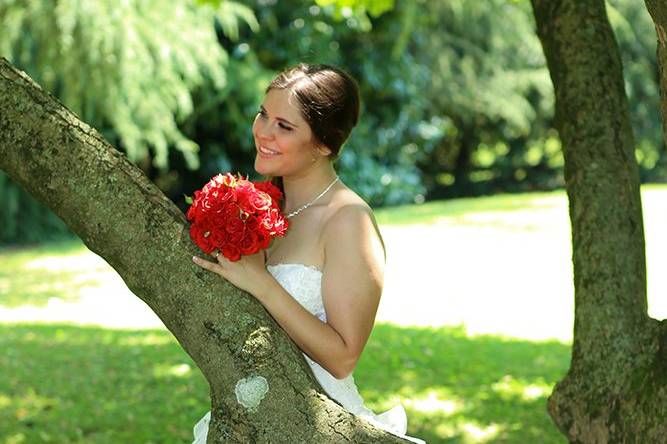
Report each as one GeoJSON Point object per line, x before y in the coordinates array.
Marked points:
{"type": "Point", "coordinates": [301, 189]}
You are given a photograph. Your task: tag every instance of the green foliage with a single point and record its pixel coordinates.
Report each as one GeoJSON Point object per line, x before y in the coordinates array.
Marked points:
{"type": "Point", "coordinates": [344, 7]}
{"type": "Point", "coordinates": [456, 95]}
{"type": "Point", "coordinates": [490, 80]}
{"type": "Point", "coordinates": [125, 69]}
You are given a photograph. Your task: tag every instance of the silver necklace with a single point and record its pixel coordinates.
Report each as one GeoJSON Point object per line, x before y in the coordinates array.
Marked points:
{"type": "Point", "coordinates": [303, 207]}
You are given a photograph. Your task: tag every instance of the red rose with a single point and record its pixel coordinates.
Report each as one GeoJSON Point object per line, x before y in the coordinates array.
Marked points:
{"type": "Point", "coordinates": [260, 201]}
{"type": "Point", "coordinates": [202, 239]}
{"type": "Point", "coordinates": [234, 224]}
{"type": "Point", "coordinates": [231, 252]}
{"type": "Point", "coordinates": [270, 189]}
{"type": "Point", "coordinates": [263, 241]}
{"type": "Point", "coordinates": [249, 244]}
{"type": "Point", "coordinates": [235, 237]}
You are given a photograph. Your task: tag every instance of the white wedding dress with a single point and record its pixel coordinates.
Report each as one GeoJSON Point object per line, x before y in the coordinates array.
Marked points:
{"type": "Point", "coordinates": [304, 283]}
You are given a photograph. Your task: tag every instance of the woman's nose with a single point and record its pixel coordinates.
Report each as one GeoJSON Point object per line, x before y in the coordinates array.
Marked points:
{"type": "Point", "coordinates": [265, 130]}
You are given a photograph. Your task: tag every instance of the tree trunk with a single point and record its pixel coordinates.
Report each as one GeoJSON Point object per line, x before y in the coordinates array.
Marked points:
{"type": "Point", "coordinates": [616, 387]}
{"type": "Point", "coordinates": [123, 217]}
{"type": "Point", "coordinates": [658, 11]}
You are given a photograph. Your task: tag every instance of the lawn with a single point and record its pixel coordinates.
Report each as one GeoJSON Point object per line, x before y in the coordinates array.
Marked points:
{"type": "Point", "coordinates": [474, 329]}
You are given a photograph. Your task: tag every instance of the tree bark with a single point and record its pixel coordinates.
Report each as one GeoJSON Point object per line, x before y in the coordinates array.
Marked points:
{"type": "Point", "coordinates": [615, 389]}
{"type": "Point", "coordinates": [123, 217]}
{"type": "Point", "coordinates": [658, 11]}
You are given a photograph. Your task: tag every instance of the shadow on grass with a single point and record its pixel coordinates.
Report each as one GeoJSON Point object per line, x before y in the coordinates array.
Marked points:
{"type": "Point", "coordinates": [461, 389]}
{"type": "Point", "coordinates": [84, 384]}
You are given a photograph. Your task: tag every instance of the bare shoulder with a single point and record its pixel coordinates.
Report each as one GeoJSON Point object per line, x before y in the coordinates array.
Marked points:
{"type": "Point", "coordinates": [347, 208]}
{"type": "Point", "coordinates": [350, 220]}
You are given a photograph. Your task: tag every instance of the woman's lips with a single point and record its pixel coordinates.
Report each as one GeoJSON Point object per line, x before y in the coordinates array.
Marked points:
{"type": "Point", "coordinates": [266, 152]}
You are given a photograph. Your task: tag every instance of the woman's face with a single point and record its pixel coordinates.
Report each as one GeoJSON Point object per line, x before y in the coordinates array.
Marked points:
{"type": "Point", "coordinates": [283, 139]}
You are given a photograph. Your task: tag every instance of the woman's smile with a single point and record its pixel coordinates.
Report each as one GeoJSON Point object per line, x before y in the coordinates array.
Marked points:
{"type": "Point", "coordinates": [266, 152]}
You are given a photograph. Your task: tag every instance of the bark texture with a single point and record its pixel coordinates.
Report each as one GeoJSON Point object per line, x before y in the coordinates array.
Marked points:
{"type": "Point", "coordinates": [123, 217]}
{"type": "Point", "coordinates": [615, 390]}
{"type": "Point", "coordinates": [658, 11]}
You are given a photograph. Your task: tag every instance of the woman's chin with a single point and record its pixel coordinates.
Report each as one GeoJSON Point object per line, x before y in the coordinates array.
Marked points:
{"type": "Point", "coordinates": [262, 168]}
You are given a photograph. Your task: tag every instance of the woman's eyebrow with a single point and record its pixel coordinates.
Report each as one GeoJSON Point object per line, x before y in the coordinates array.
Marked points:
{"type": "Point", "coordinates": [279, 118]}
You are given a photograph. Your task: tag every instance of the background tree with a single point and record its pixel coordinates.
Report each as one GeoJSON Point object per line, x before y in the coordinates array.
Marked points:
{"type": "Point", "coordinates": [615, 388]}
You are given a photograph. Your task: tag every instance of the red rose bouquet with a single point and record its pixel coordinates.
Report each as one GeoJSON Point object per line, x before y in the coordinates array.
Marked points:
{"type": "Point", "coordinates": [235, 216]}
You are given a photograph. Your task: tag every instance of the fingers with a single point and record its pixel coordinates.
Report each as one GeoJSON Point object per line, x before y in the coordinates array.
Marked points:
{"type": "Point", "coordinates": [211, 266]}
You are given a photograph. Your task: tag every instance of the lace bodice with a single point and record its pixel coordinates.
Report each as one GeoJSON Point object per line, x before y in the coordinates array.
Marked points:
{"type": "Point", "coordinates": [303, 283]}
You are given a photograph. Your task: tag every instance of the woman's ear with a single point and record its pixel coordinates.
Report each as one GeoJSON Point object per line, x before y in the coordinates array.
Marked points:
{"type": "Point", "coordinates": [324, 150]}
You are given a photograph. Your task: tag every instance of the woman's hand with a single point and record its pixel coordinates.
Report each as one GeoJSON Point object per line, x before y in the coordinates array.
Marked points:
{"type": "Point", "coordinates": [248, 273]}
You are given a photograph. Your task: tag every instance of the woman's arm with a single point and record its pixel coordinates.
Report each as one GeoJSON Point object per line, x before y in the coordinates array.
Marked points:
{"type": "Point", "coordinates": [315, 338]}
{"type": "Point", "coordinates": [351, 287]}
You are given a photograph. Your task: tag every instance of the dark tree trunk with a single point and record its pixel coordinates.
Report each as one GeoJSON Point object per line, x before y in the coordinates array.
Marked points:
{"type": "Point", "coordinates": [616, 388]}
{"type": "Point", "coordinates": [123, 217]}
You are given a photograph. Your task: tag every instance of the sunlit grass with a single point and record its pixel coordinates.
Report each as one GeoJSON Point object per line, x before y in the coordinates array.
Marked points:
{"type": "Point", "coordinates": [460, 210]}
{"type": "Point", "coordinates": [431, 212]}
{"type": "Point", "coordinates": [33, 275]}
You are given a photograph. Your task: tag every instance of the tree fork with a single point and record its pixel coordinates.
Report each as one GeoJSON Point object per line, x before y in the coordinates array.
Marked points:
{"type": "Point", "coordinates": [123, 217]}
{"type": "Point", "coordinates": [615, 389]}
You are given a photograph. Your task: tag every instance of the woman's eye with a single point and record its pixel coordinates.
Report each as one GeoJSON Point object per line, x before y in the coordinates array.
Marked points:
{"type": "Point", "coordinates": [285, 127]}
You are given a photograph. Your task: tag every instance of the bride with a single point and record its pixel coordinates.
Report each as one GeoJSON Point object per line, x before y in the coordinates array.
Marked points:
{"type": "Point", "coordinates": [322, 282]}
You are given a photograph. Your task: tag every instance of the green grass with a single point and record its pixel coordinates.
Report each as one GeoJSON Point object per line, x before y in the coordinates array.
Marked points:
{"type": "Point", "coordinates": [67, 384]}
